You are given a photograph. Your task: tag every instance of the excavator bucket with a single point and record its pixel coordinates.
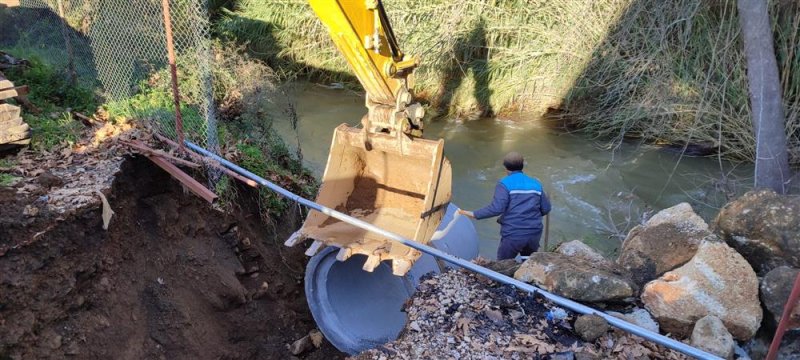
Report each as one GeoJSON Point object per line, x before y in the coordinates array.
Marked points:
{"type": "Point", "coordinates": [401, 185]}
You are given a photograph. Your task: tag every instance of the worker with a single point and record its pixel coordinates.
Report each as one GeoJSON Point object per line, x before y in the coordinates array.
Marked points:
{"type": "Point", "coordinates": [521, 202]}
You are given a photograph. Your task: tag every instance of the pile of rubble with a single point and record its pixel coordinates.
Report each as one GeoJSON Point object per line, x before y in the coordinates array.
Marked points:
{"type": "Point", "coordinates": [461, 315]}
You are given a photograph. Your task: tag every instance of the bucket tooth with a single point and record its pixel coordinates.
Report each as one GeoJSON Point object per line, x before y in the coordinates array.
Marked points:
{"type": "Point", "coordinates": [400, 267]}
{"type": "Point", "coordinates": [372, 262]}
{"type": "Point", "coordinates": [315, 247]}
{"type": "Point", "coordinates": [295, 239]}
{"type": "Point", "coordinates": [344, 254]}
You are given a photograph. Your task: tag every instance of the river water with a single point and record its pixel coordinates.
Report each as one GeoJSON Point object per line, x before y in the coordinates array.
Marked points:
{"type": "Point", "coordinates": [597, 193]}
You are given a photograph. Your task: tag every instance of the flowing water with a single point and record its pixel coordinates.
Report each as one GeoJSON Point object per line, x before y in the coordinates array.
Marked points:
{"type": "Point", "coordinates": [597, 193]}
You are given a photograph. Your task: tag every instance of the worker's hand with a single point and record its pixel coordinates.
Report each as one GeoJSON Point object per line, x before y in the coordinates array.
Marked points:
{"type": "Point", "coordinates": [466, 213]}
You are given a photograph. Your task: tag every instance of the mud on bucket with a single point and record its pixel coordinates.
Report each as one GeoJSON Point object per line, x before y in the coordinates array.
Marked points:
{"type": "Point", "coordinates": [358, 310]}
{"type": "Point", "coordinates": [400, 184]}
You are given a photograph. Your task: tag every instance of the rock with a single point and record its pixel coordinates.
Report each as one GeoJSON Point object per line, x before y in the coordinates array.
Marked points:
{"type": "Point", "coordinates": [494, 315]}
{"type": "Point", "coordinates": [30, 211]}
{"type": "Point", "coordinates": [717, 281]}
{"type": "Point", "coordinates": [586, 356]}
{"type": "Point", "coordinates": [316, 338]}
{"type": "Point", "coordinates": [763, 227]}
{"type": "Point", "coordinates": [576, 278]}
{"type": "Point", "coordinates": [668, 240]}
{"type": "Point", "coordinates": [414, 326]}
{"type": "Point", "coordinates": [710, 334]}
{"type": "Point", "coordinates": [577, 248]}
{"type": "Point", "coordinates": [775, 289]}
{"type": "Point", "coordinates": [261, 291]}
{"type": "Point", "coordinates": [639, 317]}
{"type": "Point", "coordinates": [590, 327]}
{"type": "Point", "coordinates": [48, 180]}
{"type": "Point", "coordinates": [50, 339]}
{"type": "Point", "coordinates": [564, 355]}
{"type": "Point", "coordinates": [301, 345]}
{"type": "Point", "coordinates": [506, 267]}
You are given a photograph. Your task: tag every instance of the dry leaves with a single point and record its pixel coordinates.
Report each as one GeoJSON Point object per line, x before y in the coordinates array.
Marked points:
{"type": "Point", "coordinates": [459, 315]}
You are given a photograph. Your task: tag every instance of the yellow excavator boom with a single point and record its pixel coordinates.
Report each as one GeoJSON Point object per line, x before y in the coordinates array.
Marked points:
{"type": "Point", "coordinates": [384, 172]}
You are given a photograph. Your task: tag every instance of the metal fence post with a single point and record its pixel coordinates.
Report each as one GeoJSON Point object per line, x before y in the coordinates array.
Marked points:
{"type": "Point", "coordinates": [786, 318]}
{"type": "Point", "coordinates": [173, 69]}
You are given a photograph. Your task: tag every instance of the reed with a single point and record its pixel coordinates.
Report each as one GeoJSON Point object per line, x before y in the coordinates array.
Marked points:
{"type": "Point", "coordinates": [666, 71]}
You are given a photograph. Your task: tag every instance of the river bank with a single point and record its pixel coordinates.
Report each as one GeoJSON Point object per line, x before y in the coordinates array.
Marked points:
{"type": "Point", "coordinates": [719, 288]}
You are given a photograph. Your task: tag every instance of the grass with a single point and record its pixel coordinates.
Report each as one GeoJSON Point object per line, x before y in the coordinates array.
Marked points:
{"type": "Point", "coordinates": [56, 97]}
{"type": "Point", "coordinates": [670, 72]}
{"type": "Point", "coordinates": [7, 180]}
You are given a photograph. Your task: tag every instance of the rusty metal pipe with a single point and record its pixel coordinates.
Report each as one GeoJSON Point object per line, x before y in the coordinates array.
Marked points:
{"type": "Point", "coordinates": [173, 71]}
{"type": "Point", "coordinates": [785, 319]}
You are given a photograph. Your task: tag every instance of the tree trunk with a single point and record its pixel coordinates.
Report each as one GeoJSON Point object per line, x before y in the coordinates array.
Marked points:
{"type": "Point", "coordinates": [772, 163]}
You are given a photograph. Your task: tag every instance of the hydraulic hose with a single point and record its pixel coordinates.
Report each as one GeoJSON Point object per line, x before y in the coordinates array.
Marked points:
{"type": "Point", "coordinates": [558, 300]}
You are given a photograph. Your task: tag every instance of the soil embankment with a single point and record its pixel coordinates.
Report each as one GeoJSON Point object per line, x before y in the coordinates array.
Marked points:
{"type": "Point", "coordinates": [171, 278]}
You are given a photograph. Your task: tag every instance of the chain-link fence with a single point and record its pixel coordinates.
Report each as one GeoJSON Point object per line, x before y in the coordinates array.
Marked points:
{"type": "Point", "coordinates": [119, 48]}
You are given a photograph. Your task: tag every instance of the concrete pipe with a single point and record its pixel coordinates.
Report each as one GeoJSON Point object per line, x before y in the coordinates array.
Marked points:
{"type": "Point", "coordinates": [357, 310]}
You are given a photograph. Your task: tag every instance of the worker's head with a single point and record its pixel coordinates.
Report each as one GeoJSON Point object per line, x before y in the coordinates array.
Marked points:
{"type": "Point", "coordinates": [513, 161]}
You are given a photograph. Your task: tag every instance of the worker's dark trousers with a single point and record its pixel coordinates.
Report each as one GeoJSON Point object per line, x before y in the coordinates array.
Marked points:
{"type": "Point", "coordinates": [523, 245]}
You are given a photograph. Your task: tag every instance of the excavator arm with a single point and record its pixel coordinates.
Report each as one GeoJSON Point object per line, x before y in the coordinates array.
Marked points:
{"type": "Point", "coordinates": [361, 31]}
{"type": "Point", "coordinates": [383, 173]}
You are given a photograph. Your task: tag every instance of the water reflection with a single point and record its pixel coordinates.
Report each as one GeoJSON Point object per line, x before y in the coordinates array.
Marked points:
{"type": "Point", "coordinates": [596, 193]}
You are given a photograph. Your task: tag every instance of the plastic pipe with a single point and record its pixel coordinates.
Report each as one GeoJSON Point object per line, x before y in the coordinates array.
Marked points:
{"type": "Point", "coordinates": [558, 300]}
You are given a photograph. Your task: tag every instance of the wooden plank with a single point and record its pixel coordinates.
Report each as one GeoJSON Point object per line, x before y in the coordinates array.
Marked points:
{"type": "Point", "coordinates": [7, 123]}
{"type": "Point", "coordinates": [193, 185]}
{"type": "Point", "coordinates": [9, 3]}
{"type": "Point", "coordinates": [9, 112]}
{"type": "Point", "coordinates": [8, 94]}
{"type": "Point", "coordinates": [141, 147]}
{"type": "Point", "coordinates": [21, 90]}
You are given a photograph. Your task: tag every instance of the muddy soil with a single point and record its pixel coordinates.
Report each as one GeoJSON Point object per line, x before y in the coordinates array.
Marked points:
{"type": "Point", "coordinates": [171, 278]}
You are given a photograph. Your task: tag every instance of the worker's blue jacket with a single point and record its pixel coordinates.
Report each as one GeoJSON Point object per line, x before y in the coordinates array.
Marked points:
{"type": "Point", "coordinates": [521, 202]}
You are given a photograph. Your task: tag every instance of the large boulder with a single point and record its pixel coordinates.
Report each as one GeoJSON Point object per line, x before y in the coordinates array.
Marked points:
{"type": "Point", "coordinates": [577, 248]}
{"type": "Point", "coordinates": [576, 278]}
{"type": "Point", "coordinates": [763, 226]}
{"type": "Point", "coordinates": [717, 281]}
{"type": "Point", "coordinates": [667, 240]}
{"type": "Point", "coordinates": [775, 289]}
{"type": "Point", "coordinates": [710, 334]}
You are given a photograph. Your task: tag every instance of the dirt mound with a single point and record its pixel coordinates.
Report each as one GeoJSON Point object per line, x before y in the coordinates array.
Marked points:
{"type": "Point", "coordinates": [171, 278]}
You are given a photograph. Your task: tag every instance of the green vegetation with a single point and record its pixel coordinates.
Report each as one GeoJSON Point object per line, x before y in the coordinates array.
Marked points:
{"type": "Point", "coordinates": [7, 179]}
{"type": "Point", "coordinates": [247, 105]}
{"type": "Point", "coordinates": [668, 72]}
{"type": "Point", "coordinates": [55, 96]}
